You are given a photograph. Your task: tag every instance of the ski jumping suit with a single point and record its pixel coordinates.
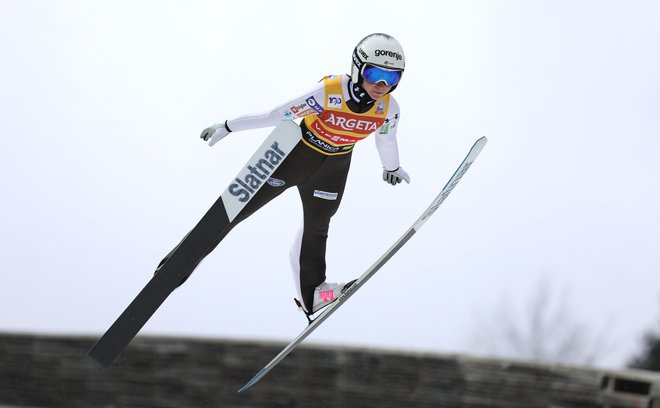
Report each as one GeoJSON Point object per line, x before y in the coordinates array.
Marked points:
{"type": "Point", "coordinates": [335, 114]}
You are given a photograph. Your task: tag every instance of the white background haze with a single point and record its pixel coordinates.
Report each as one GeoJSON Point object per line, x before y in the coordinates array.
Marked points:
{"type": "Point", "coordinates": [102, 170]}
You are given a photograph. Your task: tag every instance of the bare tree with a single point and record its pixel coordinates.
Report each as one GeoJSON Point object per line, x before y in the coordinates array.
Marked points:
{"type": "Point", "coordinates": [648, 358]}
{"type": "Point", "coordinates": [548, 330]}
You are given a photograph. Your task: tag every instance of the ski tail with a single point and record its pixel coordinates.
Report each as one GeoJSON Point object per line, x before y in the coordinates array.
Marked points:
{"type": "Point", "coordinates": [254, 380]}
{"type": "Point", "coordinates": [180, 264]}
{"type": "Point", "coordinates": [193, 248]}
{"type": "Point", "coordinates": [453, 181]}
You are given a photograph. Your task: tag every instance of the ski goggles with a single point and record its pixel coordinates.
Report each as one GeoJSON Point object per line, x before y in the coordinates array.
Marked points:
{"type": "Point", "coordinates": [376, 74]}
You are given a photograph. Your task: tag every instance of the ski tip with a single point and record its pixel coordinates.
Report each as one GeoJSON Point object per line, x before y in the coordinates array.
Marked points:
{"type": "Point", "coordinates": [478, 146]}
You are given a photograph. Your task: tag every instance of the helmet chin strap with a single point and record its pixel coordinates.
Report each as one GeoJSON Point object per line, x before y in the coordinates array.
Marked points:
{"type": "Point", "coordinates": [359, 101]}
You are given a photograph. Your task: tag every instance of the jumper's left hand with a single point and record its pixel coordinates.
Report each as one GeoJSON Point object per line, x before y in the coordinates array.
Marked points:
{"type": "Point", "coordinates": [394, 177]}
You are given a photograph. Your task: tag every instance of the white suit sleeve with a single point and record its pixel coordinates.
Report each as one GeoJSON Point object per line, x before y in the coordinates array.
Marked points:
{"type": "Point", "coordinates": [386, 138]}
{"type": "Point", "coordinates": [309, 103]}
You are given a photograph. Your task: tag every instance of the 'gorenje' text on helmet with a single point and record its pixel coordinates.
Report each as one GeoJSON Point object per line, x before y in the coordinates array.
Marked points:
{"type": "Point", "coordinates": [380, 50]}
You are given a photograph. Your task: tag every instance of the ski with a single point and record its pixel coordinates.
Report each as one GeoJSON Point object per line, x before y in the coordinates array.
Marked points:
{"type": "Point", "coordinates": [330, 309]}
{"type": "Point", "coordinates": [187, 255]}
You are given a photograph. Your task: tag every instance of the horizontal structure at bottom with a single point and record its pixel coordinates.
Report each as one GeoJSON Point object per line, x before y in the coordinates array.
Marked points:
{"type": "Point", "coordinates": [54, 371]}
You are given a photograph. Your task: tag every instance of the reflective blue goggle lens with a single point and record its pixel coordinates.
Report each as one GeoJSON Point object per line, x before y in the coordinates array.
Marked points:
{"type": "Point", "coordinates": [376, 74]}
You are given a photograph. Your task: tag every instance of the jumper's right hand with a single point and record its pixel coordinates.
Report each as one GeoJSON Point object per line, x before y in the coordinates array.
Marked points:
{"type": "Point", "coordinates": [213, 134]}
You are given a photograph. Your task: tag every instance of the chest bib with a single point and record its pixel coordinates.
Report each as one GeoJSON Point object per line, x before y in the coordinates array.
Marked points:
{"type": "Point", "coordinates": [337, 128]}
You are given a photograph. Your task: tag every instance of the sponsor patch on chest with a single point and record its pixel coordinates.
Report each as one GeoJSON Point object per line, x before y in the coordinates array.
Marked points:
{"type": "Point", "coordinates": [335, 100]}
{"type": "Point", "coordinates": [351, 123]}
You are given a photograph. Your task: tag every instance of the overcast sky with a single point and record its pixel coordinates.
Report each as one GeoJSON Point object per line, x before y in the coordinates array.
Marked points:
{"type": "Point", "coordinates": [102, 170]}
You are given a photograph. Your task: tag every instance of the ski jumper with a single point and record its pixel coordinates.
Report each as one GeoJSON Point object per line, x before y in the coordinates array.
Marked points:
{"type": "Point", "coordinates": [334, 118]}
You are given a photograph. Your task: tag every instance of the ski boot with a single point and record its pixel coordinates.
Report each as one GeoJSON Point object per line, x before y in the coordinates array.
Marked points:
{"type": "Point", "coordinates": [324, 295]}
